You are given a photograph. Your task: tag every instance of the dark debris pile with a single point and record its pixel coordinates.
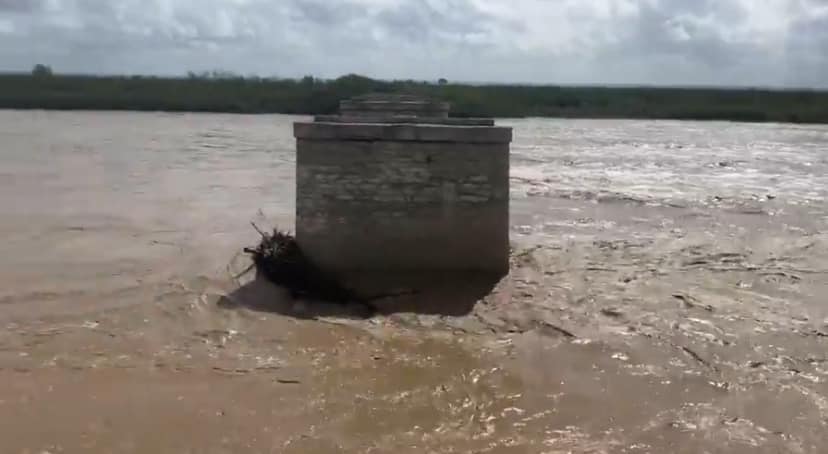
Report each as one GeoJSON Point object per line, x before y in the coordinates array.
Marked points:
{"type": "Point", "coordinates": [280, 259]}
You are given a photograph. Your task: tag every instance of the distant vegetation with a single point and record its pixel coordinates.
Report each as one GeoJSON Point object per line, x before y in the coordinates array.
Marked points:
{"type": "Point", "coordinates": [225, 92]}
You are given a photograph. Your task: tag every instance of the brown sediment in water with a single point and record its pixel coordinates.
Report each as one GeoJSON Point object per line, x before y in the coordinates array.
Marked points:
{"type": "Point", "coordinates": [654, 303]}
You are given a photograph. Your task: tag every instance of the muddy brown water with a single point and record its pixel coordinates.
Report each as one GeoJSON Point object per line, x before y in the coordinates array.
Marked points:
{"type": "Point", "coordinates": [668, 294]}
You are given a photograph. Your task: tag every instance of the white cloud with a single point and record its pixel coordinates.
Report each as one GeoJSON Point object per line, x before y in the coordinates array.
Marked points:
{"type": "Point", "coordinates": [723, 42]}
{"type": "Point", "coordinates": [6, 26]}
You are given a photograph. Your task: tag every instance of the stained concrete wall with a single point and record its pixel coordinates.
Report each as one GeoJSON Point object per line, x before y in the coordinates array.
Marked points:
{"type": "Point", "coordinates": [393, 105]}
{"type": "Point", "coordinates": [403, 198]}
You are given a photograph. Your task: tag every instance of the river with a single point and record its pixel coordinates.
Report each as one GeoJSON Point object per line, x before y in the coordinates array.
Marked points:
{"type": "Point", "coordinates": [667, 294]}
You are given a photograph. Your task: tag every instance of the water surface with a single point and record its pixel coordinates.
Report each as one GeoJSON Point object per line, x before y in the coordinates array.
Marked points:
{"type": "Point", "coordinates": [666, 295]}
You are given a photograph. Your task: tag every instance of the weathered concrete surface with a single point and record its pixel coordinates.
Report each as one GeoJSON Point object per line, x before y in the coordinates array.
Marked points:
{"type": "Point", "coordinates": [365, 205]}
{"type": "Point", "coordinates": [402, 132]}
{"type": "Point", "coordinates": [392, 105]}
{"type": "Point", "coordinates": [401, 119]}
{"type": "Point", "coordinates": [393, 188]}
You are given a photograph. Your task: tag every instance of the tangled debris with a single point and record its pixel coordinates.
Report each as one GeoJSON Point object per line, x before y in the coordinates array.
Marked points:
{"type": "Point", "coordinates": [279, 258]}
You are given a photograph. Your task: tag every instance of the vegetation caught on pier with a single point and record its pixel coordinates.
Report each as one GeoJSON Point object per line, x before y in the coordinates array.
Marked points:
{"type": "Point", "coordinates": [279, 258]}
{"type": "Point", "coordinates": [224, 92]}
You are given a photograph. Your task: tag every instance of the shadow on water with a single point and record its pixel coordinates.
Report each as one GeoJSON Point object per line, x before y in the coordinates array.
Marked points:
{"type": "Point", "coordinates": [261, 295]}
{"type": "Point", "coordinates": [444, 294]}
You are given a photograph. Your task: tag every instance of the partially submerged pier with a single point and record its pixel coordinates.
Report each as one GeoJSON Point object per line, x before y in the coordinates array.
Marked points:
{"type": "Point", "coordinates": [393, 187]}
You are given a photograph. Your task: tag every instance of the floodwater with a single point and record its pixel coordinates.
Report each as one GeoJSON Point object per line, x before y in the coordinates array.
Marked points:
{"type": "Point", "coordinates": [668, 294]}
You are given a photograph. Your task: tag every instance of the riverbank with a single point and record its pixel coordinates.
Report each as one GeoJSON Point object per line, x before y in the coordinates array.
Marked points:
{"type": "Point", "coordinates": [310, 96]}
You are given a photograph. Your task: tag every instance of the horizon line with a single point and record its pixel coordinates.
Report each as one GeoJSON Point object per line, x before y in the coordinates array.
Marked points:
{"type": "Point", "coordinates": [228, 75]}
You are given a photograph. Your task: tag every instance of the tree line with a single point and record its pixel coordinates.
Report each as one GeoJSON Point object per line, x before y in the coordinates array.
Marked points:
{"type": "Point", "coordinates": [228, 92]}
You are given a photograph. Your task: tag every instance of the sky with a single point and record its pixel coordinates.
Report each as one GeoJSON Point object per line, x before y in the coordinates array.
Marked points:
{"type": "Point", "coordinates": [760, 43]}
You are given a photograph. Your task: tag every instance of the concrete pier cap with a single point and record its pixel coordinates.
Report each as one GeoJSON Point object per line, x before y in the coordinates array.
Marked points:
{"type": "Point", "coordinates": [393, 189]}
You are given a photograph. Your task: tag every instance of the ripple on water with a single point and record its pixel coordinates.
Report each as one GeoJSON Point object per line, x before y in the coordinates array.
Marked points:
{"type": "Point", "coordinates": [665, 296]}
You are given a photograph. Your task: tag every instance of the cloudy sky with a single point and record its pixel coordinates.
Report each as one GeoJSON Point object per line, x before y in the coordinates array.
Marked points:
{"type": "Point", "coordinates": [664, 42]}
